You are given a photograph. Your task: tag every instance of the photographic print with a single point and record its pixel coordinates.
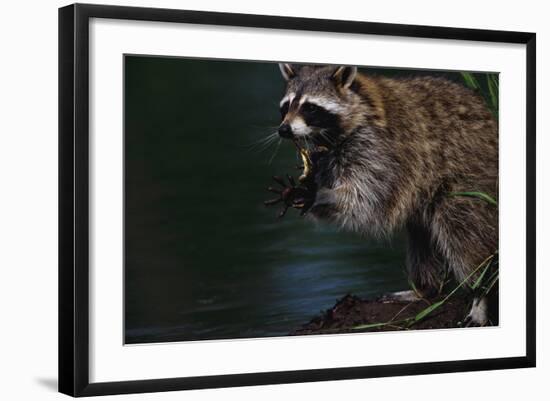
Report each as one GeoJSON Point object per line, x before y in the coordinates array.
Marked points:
{"type": "Point", "coordinates": [273, 199]}
{"type": "Point", "coordinates": [229, 187]}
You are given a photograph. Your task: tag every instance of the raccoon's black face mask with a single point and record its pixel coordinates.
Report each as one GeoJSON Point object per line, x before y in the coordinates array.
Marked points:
{"type": "Point", "coordinates": [311, 108]}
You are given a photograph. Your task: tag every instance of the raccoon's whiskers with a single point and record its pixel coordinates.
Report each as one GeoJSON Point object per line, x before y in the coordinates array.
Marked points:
{"type": "Point", "coordinates": [264, 143]}
{"type": "Point", "coordinates": [276, 150]}
{"type": "Point", "coordinates": [325, 135]}
{"type": "Point", "coordinates": [307, 144]}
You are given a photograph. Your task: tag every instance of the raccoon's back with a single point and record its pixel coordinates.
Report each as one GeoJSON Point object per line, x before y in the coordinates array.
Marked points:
{"type": "Point", "coordinates": [446, 128]}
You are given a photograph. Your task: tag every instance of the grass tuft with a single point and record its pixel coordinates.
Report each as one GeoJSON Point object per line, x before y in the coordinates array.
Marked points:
{"type": "Point", "coordinates": [486, 84]}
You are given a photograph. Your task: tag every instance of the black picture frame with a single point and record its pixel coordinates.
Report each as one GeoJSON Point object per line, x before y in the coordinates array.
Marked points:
{"type": "Point", "coordinates": [74, 198]}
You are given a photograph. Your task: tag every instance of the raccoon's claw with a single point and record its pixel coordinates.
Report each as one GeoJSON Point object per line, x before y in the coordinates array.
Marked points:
{"type": "Point", "coordinates": [291, 180]}
{"type": "Point", "coordinates": [283, 212]}
{"type": "Point", "coordinates": [274, 190]}
{"type": "Point", "coordinates": [467, 322]}
{"type": "Point", "coordinates": [291, 195]}
{"type": "Point", "coordinates": [272, 201]}
{"type": "Point", "coordinates": [279, 180]}
{"type": "Point", "coordinates": [303, 204]}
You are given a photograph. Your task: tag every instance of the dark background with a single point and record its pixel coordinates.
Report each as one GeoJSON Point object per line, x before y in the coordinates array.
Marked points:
{"type": "Point", "coordinates": [204, 259]}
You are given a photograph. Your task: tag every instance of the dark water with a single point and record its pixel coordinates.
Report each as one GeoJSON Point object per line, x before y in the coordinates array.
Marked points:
{"type": "Point", "coordinates": [204, 258]}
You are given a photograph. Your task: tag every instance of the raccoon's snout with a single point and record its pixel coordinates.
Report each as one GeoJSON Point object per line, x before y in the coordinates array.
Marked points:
{"type": "Point", "coordinates": [285, 131]}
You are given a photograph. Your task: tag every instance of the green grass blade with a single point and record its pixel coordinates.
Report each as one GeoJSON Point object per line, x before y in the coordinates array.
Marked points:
{"type": "Point", "coordinates": [490, 286]}
{"type": "Point", "coordinates": [369, 326]}
{"type": "Point", "coordinates": [422, 314]}
{"type": "Point", "coordinates": [470, 80]}
{"type": "Point", "coordinates": [374, 325]}
{"type": "Point", "coordinates": [479, 280]}
{"type": "Point", "coordinates": [474, 194]}
{"type": "Point", "coordinates": [492, 83]}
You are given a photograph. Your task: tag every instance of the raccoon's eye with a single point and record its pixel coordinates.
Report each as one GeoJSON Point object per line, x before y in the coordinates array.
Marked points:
{"type": "Point", "coordinates": [284, 109]}
{"type": "Point", "coordinates": [311, 109]}
{"type": "Point", "coordinates": [318, 116]}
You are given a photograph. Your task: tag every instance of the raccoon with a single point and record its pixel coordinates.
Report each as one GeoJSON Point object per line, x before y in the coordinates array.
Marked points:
{"type": "Point", "coordinates": [389, 153]}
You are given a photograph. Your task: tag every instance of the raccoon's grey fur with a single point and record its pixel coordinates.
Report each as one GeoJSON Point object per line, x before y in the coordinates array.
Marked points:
{"type": "Point", "coordinates": [397, 149]}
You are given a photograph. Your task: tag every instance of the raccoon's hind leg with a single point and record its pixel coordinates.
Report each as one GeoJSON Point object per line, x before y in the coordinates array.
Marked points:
{"type": "Point", "coordinates": [424, 263]}
{"type": "Point", "coordinates": [424, 266]}
{"type": "Point", "coordinates": [467, 233]}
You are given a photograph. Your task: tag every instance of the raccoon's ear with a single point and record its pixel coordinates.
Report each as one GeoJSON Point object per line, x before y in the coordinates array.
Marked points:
{"type": "Point", "coordinates": [344, 76]}
{"type": "Point", "coordinates": [287, 70]}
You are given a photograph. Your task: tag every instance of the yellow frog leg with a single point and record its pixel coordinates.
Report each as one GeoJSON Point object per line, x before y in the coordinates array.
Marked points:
{"type": "Point", "coordinates": [307, 165]}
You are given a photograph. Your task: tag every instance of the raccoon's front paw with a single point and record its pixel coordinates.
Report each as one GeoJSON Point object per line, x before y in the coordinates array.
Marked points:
{"type": "Point", "coordinates": [291, 195]}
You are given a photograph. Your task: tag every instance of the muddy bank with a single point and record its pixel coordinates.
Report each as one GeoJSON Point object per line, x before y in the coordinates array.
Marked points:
{"type": "Point", "coordinates": [350, 312]}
